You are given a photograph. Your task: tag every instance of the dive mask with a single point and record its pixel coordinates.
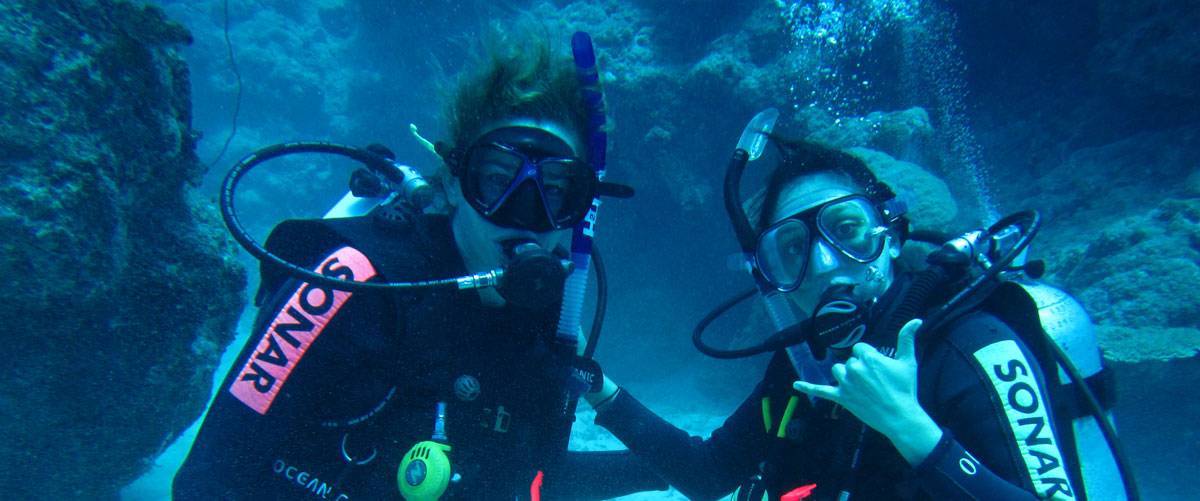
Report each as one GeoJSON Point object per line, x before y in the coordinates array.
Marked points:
{"type": "Point", "coordinates": [851, 224]}
{"type": "Point", "coordinates": [527, 178]}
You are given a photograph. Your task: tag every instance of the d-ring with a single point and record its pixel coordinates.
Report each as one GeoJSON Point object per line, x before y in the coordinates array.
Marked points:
{"type": "Point", "coordinates": [349, 459]}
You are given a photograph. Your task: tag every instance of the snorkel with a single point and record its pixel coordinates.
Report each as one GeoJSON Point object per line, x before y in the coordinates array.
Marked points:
{"type": "Point", "coordinates": [575, 288]}
{"type": "Point", "coordinates": [749, 148]}
{"type": "Point", "coordinates": [566, 340]}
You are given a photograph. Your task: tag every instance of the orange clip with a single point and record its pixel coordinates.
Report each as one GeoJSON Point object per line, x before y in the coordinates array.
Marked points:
{"type": "Point", "coordinates": [802, 492]}
{"type": "Point", "coordinates": [535, 487]}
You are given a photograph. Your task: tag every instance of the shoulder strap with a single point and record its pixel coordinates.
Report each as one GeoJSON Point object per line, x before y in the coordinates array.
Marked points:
{"type": "Point", "coordinates": [298, 241]}
{"type": "Point", "coordinates": [1016, 308]}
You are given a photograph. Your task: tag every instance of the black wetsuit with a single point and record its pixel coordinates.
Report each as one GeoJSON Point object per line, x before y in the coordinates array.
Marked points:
{"type": "Point", "coordinates": [976, 379]}
{"type": "Point", "coordinates": [333, 388]}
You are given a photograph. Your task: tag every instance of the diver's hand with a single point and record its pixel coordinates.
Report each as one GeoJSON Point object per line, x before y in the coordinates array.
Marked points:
{"type": "Point", "coordinates": [580, 341]}
{"type": "Point", "coordinates": [601, 398]}
{"type": "Point", "coordinates": [882, 393]}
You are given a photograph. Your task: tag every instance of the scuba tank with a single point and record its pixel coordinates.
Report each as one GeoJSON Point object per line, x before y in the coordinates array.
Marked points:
{"type": "Point", "coordinates": [1064, 320]}
{"type": "Point", "coordinates": [377, 183]}
{"type": "Point", "coordinates": [1086, 424]}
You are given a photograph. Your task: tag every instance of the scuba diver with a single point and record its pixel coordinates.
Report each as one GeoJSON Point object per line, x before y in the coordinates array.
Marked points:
{"type": "Point", "coordinates": [862, 398]}
{"type": "Point", "coordinates": [371, 376]}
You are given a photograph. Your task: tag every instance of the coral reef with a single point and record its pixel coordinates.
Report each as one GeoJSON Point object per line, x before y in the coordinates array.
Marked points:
{"type": "Point", "coordinates": [1106, 165]}
{"type": "Point", "coordinates": [123, 288]}
{"type": "Point", "coordinates": [930, 204]}
{"type": "Point", "coordinates": [299, 48]}
{"type": "Point", "coordinates": [1138, 278]}
{"type": "Point", "coordinates": [1121, 233]}
{"type": "Point", "coordinates": [892, 132]}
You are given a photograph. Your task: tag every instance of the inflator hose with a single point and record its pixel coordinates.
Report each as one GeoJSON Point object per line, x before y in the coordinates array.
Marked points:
{"type": "Point", "coordinates": [698, 332]}
{"type": "Point", "coordinates": [914, 299]}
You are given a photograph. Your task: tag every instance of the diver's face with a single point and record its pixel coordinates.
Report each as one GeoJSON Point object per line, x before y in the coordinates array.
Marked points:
{"type": "Point", "coordinates": [827, 266]}
{"type": "Point", "coordinates": [483, 244]}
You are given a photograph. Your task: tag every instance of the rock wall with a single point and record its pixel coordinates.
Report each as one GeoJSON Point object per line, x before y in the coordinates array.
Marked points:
{"type": "Point", "coordinates": [121, 288]}
{"type": "Point", "coordinates": [1147, 50]}
{"type": "Point", "coordinates": [1112, 168]}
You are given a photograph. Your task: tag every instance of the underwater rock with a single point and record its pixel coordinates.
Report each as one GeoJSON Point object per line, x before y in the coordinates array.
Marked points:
{"type": "Point", "coordinates": [1094, 187]}
{"type": "Point", "coordinates": [745, 66]}
{"type": "Point", "coordinates": [1148, 48]}
{"type": "Point", "coordinates": [1138, 280]}
{"type": "Point", "coordinates": [930, 204]}
{"type": "Point", "coordinates": [122, 287]}
{"type": "Point", "coordinates": [1122, 233]}
{"type": "Point", "coordinates": [623, 34]}
{"type": "Point", "coordinates": [1127, 344]}
{"type": "Point", "coordinates": [1191, 185]}
{"type": "Point", "coordinates": [302, 67]}
{"type": "Point", "coordinates": [892, 132]}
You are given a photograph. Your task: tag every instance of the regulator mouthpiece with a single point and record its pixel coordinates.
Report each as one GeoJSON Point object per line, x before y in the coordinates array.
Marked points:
{"type": "Point", "coordinates": [534, 277]}
{"type": "Point", "coordinates": [838, 322]}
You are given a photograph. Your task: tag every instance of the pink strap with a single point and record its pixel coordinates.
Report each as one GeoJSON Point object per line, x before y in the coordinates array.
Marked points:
{"type": "Point", "coordinates": [294, 330]}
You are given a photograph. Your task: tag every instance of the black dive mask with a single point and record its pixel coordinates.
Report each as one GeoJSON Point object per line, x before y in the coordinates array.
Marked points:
{"type": "Point", "coordinates": [527, 178]}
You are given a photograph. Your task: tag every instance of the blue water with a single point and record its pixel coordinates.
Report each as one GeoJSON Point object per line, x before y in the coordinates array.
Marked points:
{"type": "Point", "coordinates": [1085, 110]}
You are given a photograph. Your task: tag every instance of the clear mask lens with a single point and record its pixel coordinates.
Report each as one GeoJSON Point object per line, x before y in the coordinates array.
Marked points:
{"type": "Point", "coordinates": [782, 253]}
{"type": "Point", "coordinates": [852, 225]}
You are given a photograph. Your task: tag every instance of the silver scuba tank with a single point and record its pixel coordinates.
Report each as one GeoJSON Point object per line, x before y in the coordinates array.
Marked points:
{"type": "Point", "coordinates": [350, 206]}
{"type": "Point", "coordinates": [1065, 321]}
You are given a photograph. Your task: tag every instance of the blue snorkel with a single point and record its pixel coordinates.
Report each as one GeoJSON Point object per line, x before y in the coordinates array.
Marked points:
{"type": "Point", "coordinates": [575, 289]}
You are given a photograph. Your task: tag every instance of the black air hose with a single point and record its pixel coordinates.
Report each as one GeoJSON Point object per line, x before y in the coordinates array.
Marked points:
{"type": "Point", "coordinates": [914, 299]}
{"type": "Point", "coordinates": [698, 332]}
{"type": "Point", "coordinates": [601, 303]}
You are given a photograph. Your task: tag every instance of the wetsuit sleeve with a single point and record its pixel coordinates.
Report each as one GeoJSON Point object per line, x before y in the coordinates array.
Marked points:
{"type": "Point", "coordinates": [699, 468]}
{"type": "Point", "coordinates": [998, 437]}
{"type": "Point", "coordinates": [260, 425]}
{"type": "Point", "coordinates": [600, 475]}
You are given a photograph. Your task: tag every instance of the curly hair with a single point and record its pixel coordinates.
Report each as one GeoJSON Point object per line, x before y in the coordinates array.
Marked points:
{"type": "Point", "coordinates": [516, 72]}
